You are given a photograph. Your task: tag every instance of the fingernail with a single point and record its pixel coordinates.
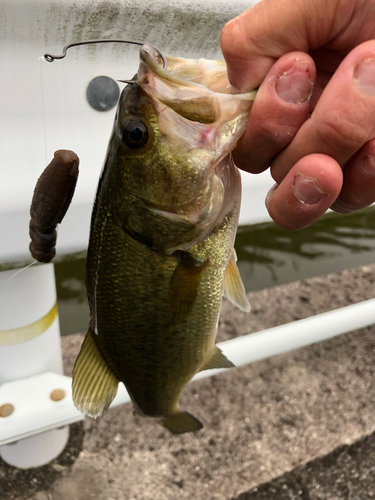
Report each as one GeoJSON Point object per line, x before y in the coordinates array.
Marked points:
{"type": "Point", "coordinates": [270, 193]}
{"type": "Point", "coordinates": [295, 85]}
{"type": "Point", "coordinates": [306, 190]}
{"type": "Point", "coordinates": [368, 165]}
{"type": "Point", "coordinates": [364, 75]}
{"type": "Point", "coordinates": [341, 207]}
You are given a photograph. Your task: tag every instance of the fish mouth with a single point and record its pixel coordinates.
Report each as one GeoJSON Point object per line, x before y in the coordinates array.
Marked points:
{"type": "Point", "coordinates": [193, 105]}
{"type": "Point", "coordinates": [196, 124]}
{"type": "Point", "coordinates": [209, 75]}
{"type": "Point", "coordinates": [197, 90]}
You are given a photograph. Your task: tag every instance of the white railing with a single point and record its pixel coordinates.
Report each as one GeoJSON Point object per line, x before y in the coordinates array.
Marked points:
{"type": "Point", "coordinates": [35, 412]}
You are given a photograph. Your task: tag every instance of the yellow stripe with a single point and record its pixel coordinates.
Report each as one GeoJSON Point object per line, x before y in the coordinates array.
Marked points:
{"type": "Point", "coordinates": [18, 335]}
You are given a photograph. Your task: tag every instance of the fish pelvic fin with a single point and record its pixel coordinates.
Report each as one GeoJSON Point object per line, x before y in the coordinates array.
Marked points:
{"type": "Point", "coordinates": [94, 384]}
{"type": "Point", "coordinates": [217, 360]}
{"type": "Point", "coordinates": [234, 289]}
{"type": "Point", "coordinates": [181, 421]}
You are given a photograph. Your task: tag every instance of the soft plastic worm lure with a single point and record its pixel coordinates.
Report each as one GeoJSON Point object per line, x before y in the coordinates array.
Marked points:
{"type": "Point", "coordinates": [52, 196]}
{"type": "Point", "coordinates": [55, 187]}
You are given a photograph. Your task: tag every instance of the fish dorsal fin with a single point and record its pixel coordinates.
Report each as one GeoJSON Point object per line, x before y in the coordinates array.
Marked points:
{"type": "Point", "coordinates": [234, 289]}
{"type": "Point", "coordinates": [217, 360]}
{"type": "Point", "coordinates": [94, 384]}
{"type": "Point", "coordinates": [184, 286]}
{"type": "Point", "coordinates": [181, 421]}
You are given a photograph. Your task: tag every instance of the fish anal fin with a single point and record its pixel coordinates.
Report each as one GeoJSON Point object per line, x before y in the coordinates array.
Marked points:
{"type": "Point", "coordinates": [183, 289]}
{"type": "Point", "coordinates": [234, 289]}
{"type": "Point", "coordinates": [94, 384]}
{"type": "Point", "coordinates": [217, 360]}
{"type": "Point", "coordinates": [181, 421]}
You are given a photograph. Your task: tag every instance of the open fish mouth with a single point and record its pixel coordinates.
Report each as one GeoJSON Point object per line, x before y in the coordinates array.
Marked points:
{"type": "Point", "coordinates": [198, 90]}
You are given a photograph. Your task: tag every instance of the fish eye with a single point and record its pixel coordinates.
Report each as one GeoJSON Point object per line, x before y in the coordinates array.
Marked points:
{"type": "Point", "coordinates": [135, 134]}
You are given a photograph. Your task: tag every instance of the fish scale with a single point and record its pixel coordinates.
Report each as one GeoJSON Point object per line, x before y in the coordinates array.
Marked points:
{"type": "Point", "coordinates": [132, 344]}
{"type": "Point", "coordinates": [161, 242]}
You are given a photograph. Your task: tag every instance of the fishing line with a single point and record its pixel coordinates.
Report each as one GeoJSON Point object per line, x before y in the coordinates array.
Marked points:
{"type": "Point", "coordinates": [20, 270]}
{"type": "Point", "coordinates": [41, 59]}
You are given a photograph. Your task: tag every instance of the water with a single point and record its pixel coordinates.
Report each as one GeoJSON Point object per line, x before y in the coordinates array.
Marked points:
{"type": "Point", "coordinates": [71, 295]}
{"type": "Point", "coordinates": [267, 256]}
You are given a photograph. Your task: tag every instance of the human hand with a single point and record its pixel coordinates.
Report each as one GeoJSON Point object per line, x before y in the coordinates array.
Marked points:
{"type": "Point", "coordinates": [313, 120]}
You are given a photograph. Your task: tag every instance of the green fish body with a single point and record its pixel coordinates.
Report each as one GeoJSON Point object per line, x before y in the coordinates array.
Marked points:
{"type": "Point", "coordinates": [161, 242]}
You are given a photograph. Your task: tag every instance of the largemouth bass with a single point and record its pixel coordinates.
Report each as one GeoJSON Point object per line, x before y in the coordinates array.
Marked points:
{"type": "Point", "coordinates": [161, 244]}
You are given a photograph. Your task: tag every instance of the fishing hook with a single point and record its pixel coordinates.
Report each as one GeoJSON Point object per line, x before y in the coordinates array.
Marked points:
{"type": "Point", "coordinates": [51, 58]}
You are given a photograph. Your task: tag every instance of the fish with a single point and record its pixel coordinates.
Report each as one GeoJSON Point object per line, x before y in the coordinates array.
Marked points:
{"type": "Point", "coordinates": [52, 196]}
{"type": "Point", "coordinates": [161, 251]}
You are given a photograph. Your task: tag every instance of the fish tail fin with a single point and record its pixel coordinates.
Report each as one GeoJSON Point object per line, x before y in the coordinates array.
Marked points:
{"type": "Point", "coordinates": [94, 384]}
{"type": "Point", "coordinates": [181, 421]}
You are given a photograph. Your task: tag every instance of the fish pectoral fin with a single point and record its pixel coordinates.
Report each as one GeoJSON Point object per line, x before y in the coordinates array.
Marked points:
{"type": "Point", "coordinates": [217, 360]}
{"type": "Point", "coordinates": [94, 384]}
{"type": "Point", "coordinates": [234, 289]}
{"type": "Point", "coordinates": [183, 289]}
{"type": "Point", "coordinates": [181, 421]}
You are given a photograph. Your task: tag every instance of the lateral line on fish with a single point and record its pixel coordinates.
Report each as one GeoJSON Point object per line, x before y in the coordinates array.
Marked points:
{"type": "Point", "coordinates": [97, 269]}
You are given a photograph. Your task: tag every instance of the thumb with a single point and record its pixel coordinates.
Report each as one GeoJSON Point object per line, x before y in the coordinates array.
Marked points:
{"type": "Point", "coordinates": [253, 41]}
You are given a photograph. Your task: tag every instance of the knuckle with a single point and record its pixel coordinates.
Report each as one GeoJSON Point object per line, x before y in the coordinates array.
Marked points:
{"type": "Point", "coordinates": [230, 40]}
{"type": "Point", "coordinates": [341, 132]}
{"type": "Point", "coordinates": [280, 134]}
{"type": "Point", "coordinates": [226, 38]}
{"type": "Point", "coordinates": [236, 41]}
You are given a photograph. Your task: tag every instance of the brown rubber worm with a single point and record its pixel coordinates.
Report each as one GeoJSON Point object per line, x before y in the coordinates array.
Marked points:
{"type": "Point", "coordinates": [52, 196]}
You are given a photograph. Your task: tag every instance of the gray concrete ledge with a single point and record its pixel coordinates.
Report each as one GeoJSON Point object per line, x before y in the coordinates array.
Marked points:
{"type": "Point", "coordinates": [261, 421]}
{"type": "Point", "coordinates": [346, 473]}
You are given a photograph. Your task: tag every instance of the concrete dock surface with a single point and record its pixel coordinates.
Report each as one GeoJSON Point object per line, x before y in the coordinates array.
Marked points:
{"type": "Point", "coordinates": [299, 425]}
